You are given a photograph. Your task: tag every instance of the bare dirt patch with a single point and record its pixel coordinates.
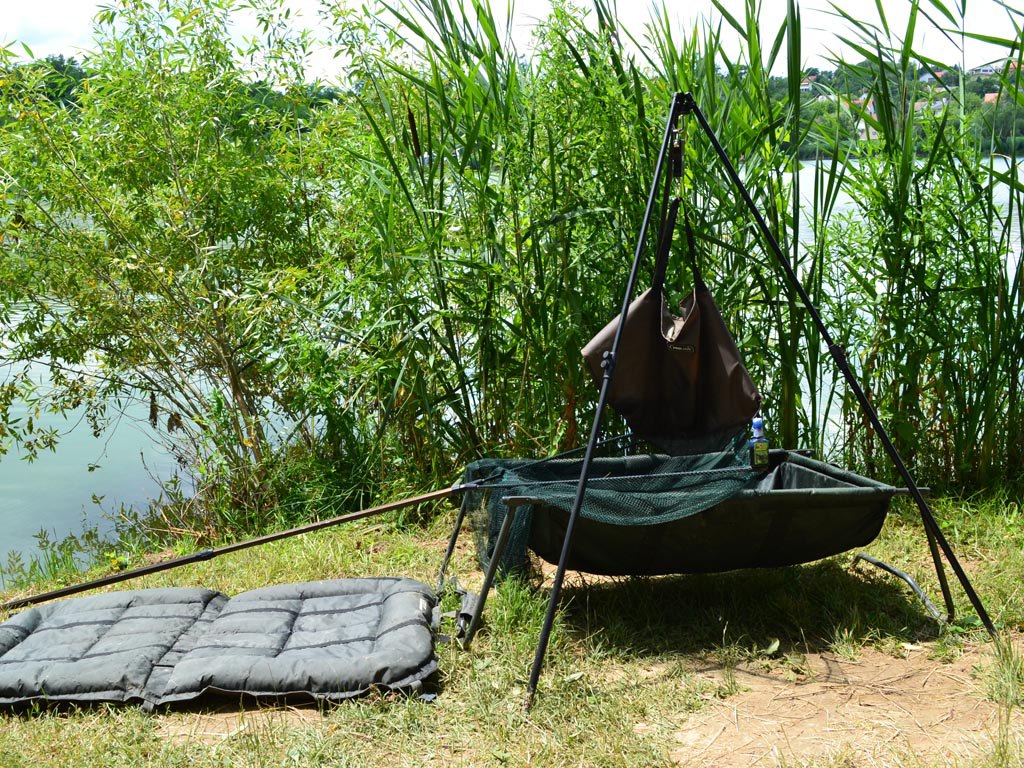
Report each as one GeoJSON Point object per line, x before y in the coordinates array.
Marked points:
{"type": "Point", "coordinates": [216, 726]}
{"type": "Point", "coordinates": [873, 711]}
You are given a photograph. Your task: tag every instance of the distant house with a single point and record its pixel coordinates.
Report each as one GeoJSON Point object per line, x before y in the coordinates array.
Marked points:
{"type": "Point", "coordinates": [931, 77]}
{"type": "Point", "coordinates": [993, 68]}
{"type": "Point", "coordinates": [807, 84]}
{"type": "Point", "coordinates": [990, 98]}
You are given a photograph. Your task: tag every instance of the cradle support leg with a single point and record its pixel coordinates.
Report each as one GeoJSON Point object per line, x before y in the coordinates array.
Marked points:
{"type": "Point", "coordinates": [451, 542]}
{"type": "Point", "coordinates": [928, 604]}
{"type": "Point", "coordinates": [492, 569]}
{"type": "Point", "coordinates": [940, 574]}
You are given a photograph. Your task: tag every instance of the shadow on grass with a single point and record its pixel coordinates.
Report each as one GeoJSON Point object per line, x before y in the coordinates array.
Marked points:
{"type": "Point", "coordinates": [810, 607]}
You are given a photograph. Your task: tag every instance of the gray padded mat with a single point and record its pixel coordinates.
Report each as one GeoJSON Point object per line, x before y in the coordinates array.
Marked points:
{"type": "Point", "coordinates": [326, 639]}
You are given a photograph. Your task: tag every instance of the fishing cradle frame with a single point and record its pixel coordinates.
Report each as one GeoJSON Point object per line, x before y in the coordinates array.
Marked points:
{"type": "Point", "coordinates": [683, 106]}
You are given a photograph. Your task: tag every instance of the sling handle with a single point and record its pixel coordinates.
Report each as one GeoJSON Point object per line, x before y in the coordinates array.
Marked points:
{"type": "Point", "coordinates": [668, 226]}
{"type": "Point", "coordinates": [669, 215]}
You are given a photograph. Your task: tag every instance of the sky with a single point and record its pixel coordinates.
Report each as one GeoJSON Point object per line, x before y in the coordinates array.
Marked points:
{"type": "Point", "coordinates": [64, 26]}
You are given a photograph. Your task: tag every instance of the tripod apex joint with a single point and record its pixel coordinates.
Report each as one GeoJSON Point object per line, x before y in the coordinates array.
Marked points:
{"type": "Point", "coordinates": [686, 103]}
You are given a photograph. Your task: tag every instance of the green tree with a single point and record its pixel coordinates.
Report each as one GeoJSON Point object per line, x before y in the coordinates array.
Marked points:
{"type": "Point", "coordinates": [827, 125]}
{"type": "Point", "coordinates": [164, 228]}
{"type": "Point", "coordinates": [999, 126]}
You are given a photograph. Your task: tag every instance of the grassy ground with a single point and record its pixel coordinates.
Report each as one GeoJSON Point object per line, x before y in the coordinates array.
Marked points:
{"type": "Point", "coordinates": [623, 671]}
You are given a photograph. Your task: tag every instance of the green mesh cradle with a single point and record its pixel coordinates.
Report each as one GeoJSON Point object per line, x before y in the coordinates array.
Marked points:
{"type": "Point", "coordinates": [657, 514]}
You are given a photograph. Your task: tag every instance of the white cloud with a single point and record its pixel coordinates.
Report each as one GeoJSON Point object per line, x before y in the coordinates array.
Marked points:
{"type": "Point", "coordinates": [47, 26]}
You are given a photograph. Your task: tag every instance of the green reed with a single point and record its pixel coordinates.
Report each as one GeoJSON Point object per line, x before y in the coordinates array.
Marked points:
{"type": "Point", "coordinates": [934, 301]}
{"type": "Point", "coordinates": [520, 183]}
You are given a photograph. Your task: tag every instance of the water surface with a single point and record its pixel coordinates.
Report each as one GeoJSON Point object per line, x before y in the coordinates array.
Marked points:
{"type": "Point", "coordinates": [58, 492]}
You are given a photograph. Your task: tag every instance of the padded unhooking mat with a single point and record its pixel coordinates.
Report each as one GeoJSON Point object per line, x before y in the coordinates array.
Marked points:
{"type": "Point", "coordinates": [325, 639]}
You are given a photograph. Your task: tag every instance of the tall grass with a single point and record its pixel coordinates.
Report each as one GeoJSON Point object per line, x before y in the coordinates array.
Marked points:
{"type": "Point", "coordinates": [509, 196]}
{"type": "Point", "coordinates": [935, 304]}
{"type": "Point", "coordinates": [510, 189]}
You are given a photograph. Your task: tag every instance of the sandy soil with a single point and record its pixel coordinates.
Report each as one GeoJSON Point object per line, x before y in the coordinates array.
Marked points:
{"type": "Point", "coordinates": [876, 710]}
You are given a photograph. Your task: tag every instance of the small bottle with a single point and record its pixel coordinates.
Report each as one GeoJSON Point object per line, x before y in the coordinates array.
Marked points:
{"type": "Point", "coordinates": [758, 445]}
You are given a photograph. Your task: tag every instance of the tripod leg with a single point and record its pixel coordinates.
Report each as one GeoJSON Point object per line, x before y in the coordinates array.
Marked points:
{"type": "Point", "coordinates": [492, 567]}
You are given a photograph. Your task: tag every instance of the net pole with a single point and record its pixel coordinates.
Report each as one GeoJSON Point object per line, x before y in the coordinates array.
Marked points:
{"type": "Point", "coordinates": [209, 554]}
{"type": "Point", "coordinates": [675, 111]}
{"type": "Point", "coordinates": [931, 526]}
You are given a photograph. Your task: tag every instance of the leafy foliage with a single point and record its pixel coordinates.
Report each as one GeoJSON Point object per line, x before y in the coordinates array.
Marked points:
{"type": "Point", "coordinates": [395, 276]}
{"type": "Point", "coordinates": [167, 226]}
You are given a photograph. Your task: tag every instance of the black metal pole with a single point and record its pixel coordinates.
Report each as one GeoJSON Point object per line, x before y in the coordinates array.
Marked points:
{"type": "Point", "coordinates": [511, 504]}
{"type": "Point", "coordinates": [463, 508]}
{"type": "Point", "coordinates": [839, 356]}
{"type": "Point", "coordinates": [940, 573]}
{"type": "Point", "coordinates": [209, 554]}
{"type": "Point", "coordinates": [675, 111]}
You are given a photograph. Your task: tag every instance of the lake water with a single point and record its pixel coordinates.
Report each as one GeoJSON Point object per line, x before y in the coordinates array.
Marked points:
{"type": "Point", "coordinates": [55, 493]}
